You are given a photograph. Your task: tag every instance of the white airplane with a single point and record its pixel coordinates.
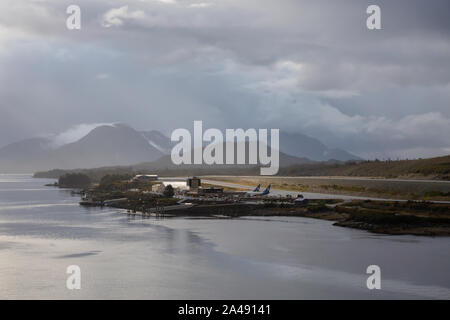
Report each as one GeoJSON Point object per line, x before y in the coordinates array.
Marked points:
{"type": "Point", "coordinates": [256, 191]}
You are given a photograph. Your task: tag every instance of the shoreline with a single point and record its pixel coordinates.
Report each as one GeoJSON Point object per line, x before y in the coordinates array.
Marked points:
{"type": "Point", "coordinates": [340, 219]}
{"type": "Point", "coordinates": [380, 216]}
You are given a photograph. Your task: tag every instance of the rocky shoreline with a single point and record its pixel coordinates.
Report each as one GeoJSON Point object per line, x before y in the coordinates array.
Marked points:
{"type": "Point", "coordinates": [425, 230]}
{"type": "Point", "coordinates": [315, 210]}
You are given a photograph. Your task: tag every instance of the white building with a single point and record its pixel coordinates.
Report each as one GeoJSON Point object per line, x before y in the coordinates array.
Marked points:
{"type": "Point", "coordinates": [145, 177]}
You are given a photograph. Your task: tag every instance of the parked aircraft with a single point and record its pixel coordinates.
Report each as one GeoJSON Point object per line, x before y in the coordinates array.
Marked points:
{"type": "Point", "coordinates": [259, 193]}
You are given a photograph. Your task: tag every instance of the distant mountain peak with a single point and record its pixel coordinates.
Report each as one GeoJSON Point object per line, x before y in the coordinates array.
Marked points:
{"type": "Point", "coordinates": [302, 145]}
{"type": "Point", "coordinates": [104, 145]}
{"type": "Point", "coordinates": [111, 144]}
{"type": "Point", "coordinates": [75, 133]}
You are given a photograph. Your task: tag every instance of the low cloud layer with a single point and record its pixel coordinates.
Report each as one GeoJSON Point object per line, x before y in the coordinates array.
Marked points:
{"type": "Point", "coordinates": [75, 133]}
{"type": "Point", "coordinates": [301, 66]}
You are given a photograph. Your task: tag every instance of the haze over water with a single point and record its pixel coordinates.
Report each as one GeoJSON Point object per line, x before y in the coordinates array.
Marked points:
{"type": "Point", "coordinates": [43, 230]}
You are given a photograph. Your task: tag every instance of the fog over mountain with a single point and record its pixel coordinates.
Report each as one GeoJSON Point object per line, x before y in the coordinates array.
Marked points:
{"type": "Point", "coordinates": [301, 145]}
{"type": "Point", "coordinates": [120, 144]}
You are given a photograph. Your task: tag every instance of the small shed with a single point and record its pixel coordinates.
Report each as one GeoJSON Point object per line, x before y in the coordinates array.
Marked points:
{"type": "Point", "coordinates": [145, 177]}
{"type": "Point", "coordinates": [211, 190]}
{"type": "Point", "coordinates": [300, 200]}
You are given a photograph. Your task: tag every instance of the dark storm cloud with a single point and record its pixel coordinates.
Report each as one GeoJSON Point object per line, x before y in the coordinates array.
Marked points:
{"type": "Point", "coordinates": [309, 66]}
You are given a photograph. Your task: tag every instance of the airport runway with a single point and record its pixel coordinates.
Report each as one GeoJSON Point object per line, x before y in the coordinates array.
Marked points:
{"type": "Point", "coordinates": [308, 195]}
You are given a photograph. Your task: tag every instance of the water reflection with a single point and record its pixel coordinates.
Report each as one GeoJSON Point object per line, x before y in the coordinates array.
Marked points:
{"type": "Point", "coordinates": [121, 256]}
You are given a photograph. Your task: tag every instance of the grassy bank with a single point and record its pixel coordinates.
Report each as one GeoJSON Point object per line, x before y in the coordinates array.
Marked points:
{"type": "Point", "coordinates": [433, 168]}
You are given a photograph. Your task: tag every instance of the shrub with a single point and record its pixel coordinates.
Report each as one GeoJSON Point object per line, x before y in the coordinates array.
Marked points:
{"type": "Point", "coordinates": [168, 191]}
{"type": "Point", "coordinates": [74, 180]}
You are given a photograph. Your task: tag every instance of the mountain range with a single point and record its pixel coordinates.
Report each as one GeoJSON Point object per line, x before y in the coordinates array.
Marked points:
{"type": "Point", "coordinates": [120, 144]}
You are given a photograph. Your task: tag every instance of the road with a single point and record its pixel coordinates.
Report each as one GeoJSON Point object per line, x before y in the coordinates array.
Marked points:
{"type": "Point", "coordinates": [341, 178]}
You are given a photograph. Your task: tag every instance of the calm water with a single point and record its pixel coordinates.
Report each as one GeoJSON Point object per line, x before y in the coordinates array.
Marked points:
{"type": "Point", "coordinates": [43, 230]}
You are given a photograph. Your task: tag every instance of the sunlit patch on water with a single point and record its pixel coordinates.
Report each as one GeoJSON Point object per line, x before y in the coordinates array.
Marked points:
{"type": "Point", "coordinates": [41, 205]}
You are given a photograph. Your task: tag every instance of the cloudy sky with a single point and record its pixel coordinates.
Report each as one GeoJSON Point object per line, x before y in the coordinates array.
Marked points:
{"type": "Point", "coordinates": [298, 65]}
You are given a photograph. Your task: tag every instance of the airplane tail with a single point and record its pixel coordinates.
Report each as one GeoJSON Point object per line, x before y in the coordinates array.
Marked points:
{"type": "Point", "coordinates": [257, 188]}
{"type": "Point", "coordinates": [267, 190]}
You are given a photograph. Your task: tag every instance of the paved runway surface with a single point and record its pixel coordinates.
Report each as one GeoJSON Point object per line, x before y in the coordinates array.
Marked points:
{"type": "Point", "coordinates": [309, 195]}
